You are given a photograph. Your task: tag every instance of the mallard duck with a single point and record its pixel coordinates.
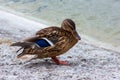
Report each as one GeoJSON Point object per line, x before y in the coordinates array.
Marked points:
{"type": "Point", "coordinates": [50, 42]}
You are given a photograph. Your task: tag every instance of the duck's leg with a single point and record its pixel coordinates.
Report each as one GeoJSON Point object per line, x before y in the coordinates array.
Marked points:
{"type": "Point", "coordinates": [56, 60]}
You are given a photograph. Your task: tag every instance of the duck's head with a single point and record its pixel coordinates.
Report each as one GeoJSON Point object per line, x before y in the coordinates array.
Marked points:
{"type": "Point", "coordinates": [69, 25]}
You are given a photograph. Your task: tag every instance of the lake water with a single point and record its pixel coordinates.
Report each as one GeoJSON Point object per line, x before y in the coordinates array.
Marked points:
{"type": "Point", "coordinates": [99, 19]}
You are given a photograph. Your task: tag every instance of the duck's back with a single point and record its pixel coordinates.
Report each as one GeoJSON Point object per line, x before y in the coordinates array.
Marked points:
{"type": "Point", "coordinates": [51, 33]}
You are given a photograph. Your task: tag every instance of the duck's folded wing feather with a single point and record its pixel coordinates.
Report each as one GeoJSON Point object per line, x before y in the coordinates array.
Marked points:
{"type": "Point", "coordinates": [47, 51]}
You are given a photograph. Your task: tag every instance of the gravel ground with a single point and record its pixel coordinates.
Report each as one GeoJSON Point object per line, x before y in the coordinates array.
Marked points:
{"type": "Point", "coordinates": [87, 62]}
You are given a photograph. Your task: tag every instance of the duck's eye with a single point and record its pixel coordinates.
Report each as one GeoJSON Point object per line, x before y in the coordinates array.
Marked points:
{"type": "Point", "coordinates": [72, 27]}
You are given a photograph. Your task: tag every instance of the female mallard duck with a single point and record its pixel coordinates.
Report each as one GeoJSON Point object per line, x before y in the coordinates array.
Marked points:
{"type": "Point", "coordinates": [51, 42]}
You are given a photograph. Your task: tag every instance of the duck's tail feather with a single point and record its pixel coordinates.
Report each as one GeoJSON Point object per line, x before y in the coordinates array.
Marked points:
{"type": "Point", "coordinates": [23, 44]}
{"type": "Point", "coordinates": [19, 56]}
{"type": "Point", "coordinates": [26, 56]}
{"type": "Point", "coordinates": [19, 49]}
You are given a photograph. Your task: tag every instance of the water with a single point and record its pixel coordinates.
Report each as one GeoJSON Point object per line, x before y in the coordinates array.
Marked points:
{"type": "Point", "coordinates": [99, 19]}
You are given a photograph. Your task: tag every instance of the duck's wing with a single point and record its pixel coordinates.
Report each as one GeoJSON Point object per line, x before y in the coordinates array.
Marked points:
{"type": "Point", "coordinates": [46, 51]}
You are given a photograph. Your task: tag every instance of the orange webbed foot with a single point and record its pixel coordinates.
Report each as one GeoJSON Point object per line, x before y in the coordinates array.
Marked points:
{"type": "Point", "coordinates": [63, 63]}
{"type": "Point", "coordinates": [55, 59]}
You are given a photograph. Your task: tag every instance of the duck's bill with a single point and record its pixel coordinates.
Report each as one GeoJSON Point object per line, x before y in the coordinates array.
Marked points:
{"type": "Point", "coordinates": [77, 35]}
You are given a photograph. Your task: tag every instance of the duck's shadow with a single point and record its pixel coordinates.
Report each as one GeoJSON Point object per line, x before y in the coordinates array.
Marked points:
{"type": "Point", "coordinates": [48, 64]}
{"type": "Point", "coordinates": [38, 64]}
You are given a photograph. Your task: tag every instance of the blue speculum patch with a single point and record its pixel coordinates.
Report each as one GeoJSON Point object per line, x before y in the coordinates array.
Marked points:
{"type": "Point", "coordinates": [42, 43]}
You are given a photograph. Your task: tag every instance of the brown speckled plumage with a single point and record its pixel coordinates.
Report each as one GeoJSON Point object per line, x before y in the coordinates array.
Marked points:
{"type": "Point", "coordinates": [63, 39]}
